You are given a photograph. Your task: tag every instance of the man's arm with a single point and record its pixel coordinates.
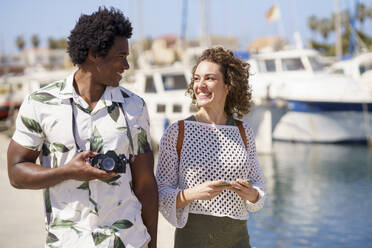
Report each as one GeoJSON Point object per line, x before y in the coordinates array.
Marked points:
{"type": "Point", "coordinates": [25, 174]}
{"type": "Point", "coordinates": [146, 190]}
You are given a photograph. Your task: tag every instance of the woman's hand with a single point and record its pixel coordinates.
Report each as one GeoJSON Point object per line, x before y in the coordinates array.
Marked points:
{"type": "Point", "coordinates": [245, 190]}
{"type": "Point", "coordinates": [205, 191]}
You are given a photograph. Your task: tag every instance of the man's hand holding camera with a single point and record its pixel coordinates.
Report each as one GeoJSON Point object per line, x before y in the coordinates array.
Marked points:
{"type": "Point", "coordinates": [79, 169]}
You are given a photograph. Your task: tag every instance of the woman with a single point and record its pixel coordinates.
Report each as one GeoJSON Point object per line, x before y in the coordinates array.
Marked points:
{"type": "Point", "coordinates": [208, 188]}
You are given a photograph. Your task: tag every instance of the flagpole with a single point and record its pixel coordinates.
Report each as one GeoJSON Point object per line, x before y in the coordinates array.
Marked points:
{"type": "Point", "coordinates": [280, 24]}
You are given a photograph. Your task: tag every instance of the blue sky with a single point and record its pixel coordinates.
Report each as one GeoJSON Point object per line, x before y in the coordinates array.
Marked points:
{"type": "Point", "coordinates": [242, 18]}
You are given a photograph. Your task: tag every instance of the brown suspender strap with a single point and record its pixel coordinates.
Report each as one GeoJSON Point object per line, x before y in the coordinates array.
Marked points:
{"type": "Point", "coordinates": [181, 125]}
{"type": "Point", "coordinates": [242, 132]}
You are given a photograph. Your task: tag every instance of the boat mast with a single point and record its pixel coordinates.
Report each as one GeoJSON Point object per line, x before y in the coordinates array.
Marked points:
{"type": "Point", "coordinates": [139, 27]}
{"type": "Point", "coordinates": [204, 37]}
{"type": "Point", "coordinates": [338, 29]}
{"type": "Point", "coordinates": [184, 24]}
{"type": "Point", "coordinates": [296, 34]}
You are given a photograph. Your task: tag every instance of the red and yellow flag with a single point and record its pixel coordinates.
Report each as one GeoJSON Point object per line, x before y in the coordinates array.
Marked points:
{"type": "Point", "coordinates": [273, 14]}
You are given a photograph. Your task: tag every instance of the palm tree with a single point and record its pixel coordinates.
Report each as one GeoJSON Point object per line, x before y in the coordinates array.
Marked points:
{"type": "Point", "coordinates": [325, 27]}
{"type": "Point", "coordinates": [57, 44]}
{"type": "Point", "coordinates": [147, 43]}
{"type": "Point", "coordinates": [345, 20]}
{"type": "Point", "coordinates": [35, 41]}
{"type": "Point", "coordinates": [20, 42]}
{"type": "Point", "coordinates": [52, 43]}
{"type": "Point", "coordinates": [313, 24]}
{"type": "Point", "coordinates": [62, 43]}
{"type": "Point", "coordinates": [362, 13]}
{"type": "Point", "coordinates": [369, 12]}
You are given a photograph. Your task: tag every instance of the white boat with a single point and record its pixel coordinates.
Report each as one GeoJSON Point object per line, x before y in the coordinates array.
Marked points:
{"type": "Point", "coordinates": [163, 89]}
{"type": "Point", "coordinates": [322, 107]}
{"type": "Point", "coordinates": [358, 67]}
{"type": "Point", "coordinates": [14, 87]}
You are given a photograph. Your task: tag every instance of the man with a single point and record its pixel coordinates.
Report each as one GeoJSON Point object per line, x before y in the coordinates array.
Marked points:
{"type": "Point", "coordinates": [68, 124]}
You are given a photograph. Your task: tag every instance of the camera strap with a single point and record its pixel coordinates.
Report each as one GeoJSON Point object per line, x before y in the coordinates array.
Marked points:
{"type": "Point", "coordinates": [129, 134]}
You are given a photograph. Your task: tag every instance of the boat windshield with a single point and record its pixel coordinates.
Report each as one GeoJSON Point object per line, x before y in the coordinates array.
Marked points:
{"type": "Point", "coordinates": [270, 65]}
{"type": "Point", "coordinates": [316, 64]}
{"type": "Point", "coordinates": [365, 66]}
{"type": "Point", "coordinates": [338, 71]}
{"type": "Point", "coordinates": [174, 82]}
{"type": "Point", "coordinates": [292, 64]}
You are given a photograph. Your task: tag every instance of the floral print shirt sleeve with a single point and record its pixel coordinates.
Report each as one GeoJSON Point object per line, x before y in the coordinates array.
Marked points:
{"type": "Point", "coordinates": [143, 139]}
{"type": "Point", "coordinates": [28, 129]}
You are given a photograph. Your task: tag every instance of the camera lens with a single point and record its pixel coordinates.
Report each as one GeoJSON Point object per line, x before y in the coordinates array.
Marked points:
{"type": "Point", "coordinates": [108, 164]}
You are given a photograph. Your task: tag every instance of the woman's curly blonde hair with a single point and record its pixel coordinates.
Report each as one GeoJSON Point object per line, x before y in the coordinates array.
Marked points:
{"type": "Point", "coordinates": [235, 74]}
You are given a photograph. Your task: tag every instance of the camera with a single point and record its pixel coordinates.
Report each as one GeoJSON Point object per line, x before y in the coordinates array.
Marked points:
{"type": "Point", "coordinates": [110, 162]}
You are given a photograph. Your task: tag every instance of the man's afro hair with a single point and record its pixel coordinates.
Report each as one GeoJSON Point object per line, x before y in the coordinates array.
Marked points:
{"type": "Point", "coordinates": [97, 32]}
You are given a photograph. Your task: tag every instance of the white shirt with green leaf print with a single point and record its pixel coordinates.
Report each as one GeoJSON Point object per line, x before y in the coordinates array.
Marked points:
{"type": "Point", "coordinates": [95, 213]}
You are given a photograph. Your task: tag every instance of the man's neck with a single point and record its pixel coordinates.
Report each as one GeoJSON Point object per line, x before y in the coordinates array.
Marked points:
{"type": "Point", "coordinates": [87, 87]}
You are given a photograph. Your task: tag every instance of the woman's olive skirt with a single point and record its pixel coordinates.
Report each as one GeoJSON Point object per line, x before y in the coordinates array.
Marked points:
{"type": "Point", "coordinates": [206, 231]}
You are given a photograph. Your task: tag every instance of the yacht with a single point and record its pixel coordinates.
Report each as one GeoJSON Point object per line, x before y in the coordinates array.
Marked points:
{"type": "Point", "coordinates": [163, 89]}
{"type": "Point", "coordinates": [321, 107]}
{"type": "Point", "coordinates": [358, 67]}
{"type": "Point", "coordinates": [14, 87]}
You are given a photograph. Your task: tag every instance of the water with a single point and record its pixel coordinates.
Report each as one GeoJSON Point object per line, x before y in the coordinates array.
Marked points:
{"type": "Point", "coordinates": [318, 196]}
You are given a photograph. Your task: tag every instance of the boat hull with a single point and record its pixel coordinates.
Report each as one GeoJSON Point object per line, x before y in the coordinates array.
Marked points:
{"type": "Point", "coordinates": [324, 126]}
{"type": "Point", "coordinates": [5, 108]}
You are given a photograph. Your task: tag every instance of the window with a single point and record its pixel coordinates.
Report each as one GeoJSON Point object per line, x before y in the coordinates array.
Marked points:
{"type": "Point", "coordinates": [365, 66]}
{"type": "Point", "coordinates": [150, 85]}
{"type": "Point", "coordinates": [177, 108]}
{"type": "Point", "coordinates": [174, 82]}
{"type": "Point", "coordinates": [270, 65]}
{"type": "Point", "coordinates": [293, 64]}
{"type": "Point", "coordinates": [316, 64]}
{"type": "Point", "coordinates": [160, 108]}
{"type": "Point", "coordinates": [260, 66]}
{"type": "Point", "coordinates": [338, 71]}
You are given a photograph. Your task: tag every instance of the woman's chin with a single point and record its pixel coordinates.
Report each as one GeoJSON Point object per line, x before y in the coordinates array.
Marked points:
{"type": "Point", "coordinates": [203, 103]}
